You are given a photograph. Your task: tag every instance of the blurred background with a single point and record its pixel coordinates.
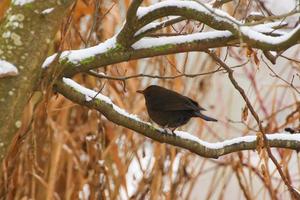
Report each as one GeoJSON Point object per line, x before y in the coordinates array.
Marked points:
{"type": "Point", "coordinates": [67, 151]}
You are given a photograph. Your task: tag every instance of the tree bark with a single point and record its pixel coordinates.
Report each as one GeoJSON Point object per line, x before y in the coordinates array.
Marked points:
{"type": "Point", "coordinates": [26, 35]}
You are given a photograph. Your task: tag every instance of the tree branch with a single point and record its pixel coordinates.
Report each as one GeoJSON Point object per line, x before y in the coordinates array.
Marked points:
{"type": "Point", "coordinates": [216, 19]}
{"type": "Point", "coordinates": [82, 60]}
{"type": "Point", "coordinates": [115, 114]}
{"type": "Point", "coordinates": [127, 32]}
{"type": "Point", "coordinates": [128, 44]}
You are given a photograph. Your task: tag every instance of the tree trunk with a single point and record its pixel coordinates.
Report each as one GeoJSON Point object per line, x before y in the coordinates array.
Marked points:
{"type": "Point", "coordinates": [26, 35]}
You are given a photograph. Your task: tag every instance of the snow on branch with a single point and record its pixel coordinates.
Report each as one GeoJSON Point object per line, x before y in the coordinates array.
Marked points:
{"type": "Point", "coordinates": [181, 39]}
{"type": "Point", "coordinates": [115, 114]}
{"type": "Point", "coordinates": [7, 69]}
{"type": "Point", "coordinates": [80, 55]}
{"type": "Point", "coordinates": [270, 28]}
{"type": "Point", "coordinates": [216, 19]}
{"type": "Point", "coordinates": [153, 26]}
{"type": "Point", "coordinates": [254, 35]}
{"type": "Point", "coordinates": [199, 7]}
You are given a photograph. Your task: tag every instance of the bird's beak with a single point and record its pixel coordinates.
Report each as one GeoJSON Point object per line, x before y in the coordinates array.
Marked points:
{"type": "Point", "coordinates": [140, 91]}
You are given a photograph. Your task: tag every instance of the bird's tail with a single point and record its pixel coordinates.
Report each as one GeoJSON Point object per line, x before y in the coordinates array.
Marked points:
{"type": "Point", "coordinates": [206, 118]}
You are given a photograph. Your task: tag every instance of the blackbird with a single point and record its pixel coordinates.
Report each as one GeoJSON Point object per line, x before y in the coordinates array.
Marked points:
{"type": "Point", "coordinates": [170, 109]}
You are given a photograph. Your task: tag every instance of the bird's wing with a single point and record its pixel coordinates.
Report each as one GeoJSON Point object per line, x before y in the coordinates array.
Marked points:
{"type": "Point", "coordinates": [174, 103]}
{"type": "Point", "coordinates": [196, 104]}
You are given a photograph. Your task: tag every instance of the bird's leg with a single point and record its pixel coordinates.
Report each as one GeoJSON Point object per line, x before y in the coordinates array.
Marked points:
{"type": "Point", "coordinates": [173, 133]}
{"type": "Point", "coordinates": [169, 130]}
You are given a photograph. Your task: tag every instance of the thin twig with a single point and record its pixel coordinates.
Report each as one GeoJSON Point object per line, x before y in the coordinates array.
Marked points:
{"type": "Point", "coordinates": [99, 75]}
{"type": "Point", "coordinates": [270, 18]}
{"type": "Point", "coordinates": [97, 19]}
{"type": "Point", "coordinates": [96, 15]}
{"type": "Point", "coordinates": [290, 59]}
{"type": "Point", "coordinates": [279, 77]}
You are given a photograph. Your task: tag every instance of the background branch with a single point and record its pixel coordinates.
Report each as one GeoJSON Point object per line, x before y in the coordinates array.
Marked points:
{"type": "Point", "coordinates": [124, 78]}
{"type": "Point", "coordinates": [261, 136]}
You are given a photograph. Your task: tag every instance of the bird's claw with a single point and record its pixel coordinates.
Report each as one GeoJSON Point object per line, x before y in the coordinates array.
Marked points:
{"type": "Point", "coordinates": [170, 132]}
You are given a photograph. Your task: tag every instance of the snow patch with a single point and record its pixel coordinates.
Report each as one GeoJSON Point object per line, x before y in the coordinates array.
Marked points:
{"type": "Point", "coordinates": [47, 11]}
{"type": "Point", "coordinates": [140, 166]}
{"type": "Point", "coordinates": [22, 2]}
{"type": "Point", "coordinates": [49, 60]}
{"type": "Point", "coordinates": [7, 69]}
{"type": "Point", "coordinates": [84, 194]}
